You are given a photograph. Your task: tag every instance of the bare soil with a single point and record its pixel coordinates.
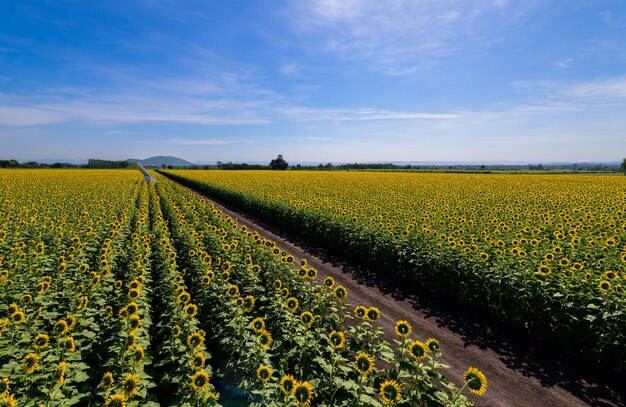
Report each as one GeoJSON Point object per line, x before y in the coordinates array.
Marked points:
{"type": "Point", "coordinates": [519, 372]}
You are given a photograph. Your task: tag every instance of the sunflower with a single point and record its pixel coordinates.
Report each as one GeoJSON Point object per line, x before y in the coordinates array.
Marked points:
{"type": "Point", "coordinates": [200, 380]}
{"type": "Point", "coordinates": [195, 340]}
{"type": "Point", "coordinates": [390, 392]}
{"type": "Point", "coordinates": [134, 322]}
{"type": "Point", "coordinates": [336, 339]}
{"type": "Point", "coordinates": [329, 282]}
{"type": "Point", "coordinates": [302, 272]}
{"type": "Point", "coordinates": [191, 310]}
{"type": "Point", "coordinates": [184, 297]}
{"type": "Point", "coordinates": [26, 298]}
{"type": "Point", "coordinates": [233, 291]}
{"type": "Point", "coordinates": [311, 273]}
{"type": "Point", "coordinates": [248, 303]}
{"type": "Point", "coordinates": [433, 345]}
{"type": "Point", "coordinates": [418, 350]}
{"type": "Point", "coordinates": [265, 339]}
{"type": "Point", "coordinates": [340, 293]}
{"type": "Point", "coordinates": [130, 385]}
{"type": "Point", "coordinates": [303, 263]}
{"type": "Point", "coordinates": [360, 312]}
{"type": "Point", "coordinates": [403, 329]}
{"type": "Point", "coordinates": [12, 309]}
{"type": "Point", "coordinates": [287, 384]}
{"type": "Point", "coordinates": [373, 314]}
{"type": "Point", "coordinates": [40, 342]}
{"type": "Point", "coordinates": [5, 386]}
{"type": "Point", "coordinates": [604, 285]}
{"type": "Point", "coordinates": [476, 381]}
{"type": "Point", "coordinates": [306, 318]}
{"type": "Point", "coordinates": [70, 346]}
{"type": "Point", "coordinates": [176, 331]}
{"type": "Point", "coordinates": [71, 321]}
{"type": "Point", "coordinates": [264, 373]}
{"type": "Point", "coordinates": [303, 393]}
{"type": "Point", "coordinates": [138, 354]}
{"type": "Point", "coordinates": [258, 324]}
{"type": "Point", "coordinates": [60, 373]}
{"type": "Point", "coordinates": [30, 362]}
{"type": "Point", "coordinates": [108, 310]}
{"type": "Point", "coordinates": [278, 285]}
{"type": "Point", "coordinates": [134, 294]}
{"type": "Point", "coordinates": [256, 269]}
{"type": "Point", "coordinates": [132, 308]}
{"type": "Point", "coordinates": [543, 269]}
{"type": "Point", "coordinates": [292, 304]}
{"type": "Point", "coordinates": [610, 275]}
{"type": "Point", "coordinates": [116, 400]}
{"type": "Point", "coordinates": [18, 317]}
{"type": "Point", "coordinates": [484, 256]}
{"type": "Point", "coordinates": [107, 380]}
{"type": "Point", "coordinates": [197, 362]}
{"type": "Point", "coordinates": [363, 363]}
{"type": "Point", "coordinates": [61, 327]}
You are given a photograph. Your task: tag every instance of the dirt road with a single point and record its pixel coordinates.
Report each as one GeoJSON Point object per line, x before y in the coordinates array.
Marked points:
{"type": "Point", "coordinates": [518, 373]}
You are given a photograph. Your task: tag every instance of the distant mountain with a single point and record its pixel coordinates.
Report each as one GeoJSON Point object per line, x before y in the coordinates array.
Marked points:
{"type": "Point", "coordinates": [161, 160]}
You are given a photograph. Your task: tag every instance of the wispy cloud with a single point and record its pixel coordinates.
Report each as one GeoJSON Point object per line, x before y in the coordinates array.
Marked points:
{"type": "Point", "coordinates": [565, 63]}
{"type": "Point", "coordinates": [611, 88]}
{"type": "Point", "coordinates": [305, 114]}
{"type": "Point", "coordinates": [401, 37]}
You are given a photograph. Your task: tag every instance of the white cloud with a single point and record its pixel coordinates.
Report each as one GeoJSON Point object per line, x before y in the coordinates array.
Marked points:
{"type": "Point", "coordinates": [565, 63]}
{"type": "Point", "coordinates": [612, 88]}
{"type": "Point", "coordinates": [292, 69]}
{"type": "Point", "coordinates": [449, 17]}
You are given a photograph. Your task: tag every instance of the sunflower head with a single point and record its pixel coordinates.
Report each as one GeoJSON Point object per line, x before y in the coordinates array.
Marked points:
{"type": "Point", "coordinates": [233, 291]}
{"type": "Point", "coordinates": [5, 386]}
{"type": "Point", "coordinates": [258, 324]}
{"type": "Point", "coordinates": [18, 317]}
{"type": "Point", "coordinates": [69, 344]}
{"type": "Point", "coordinates": [329, 282]}
{"type": "Point", "coordinates": [373, 314]}
{"type": "Point", "coordinates": [30, 362]}
{"type": "Point", "coordinates": [311, 273]}
{"type": "Point", "coordinates": [278, 285]}
{"type": "Point", "coordinates": [390, 392]}
{"type": "Point", "coordinates": [604, 285]}
{"type": "Point", "coordinates": [306, 319]}
{"type": "Point", "coordinates": [130, 385]}
{"type": "Point", "coordinates": [134, 294]}
{"type": "Point", "coordinates": [403, 329]}
{"type": "Point", "coordinates": [433, 345]}
{"type": "Point", "coordinates": [340, 293]}
{"type": "Point", "coordinates": [363, 363]}
{"type": "Point", "coordinates": [191, 310]}
{"type": "Point", "coordinates": [248, 303]}
{"type": "Point", "coordinates": [287, 384]}
{"type": "Point", "coordinates": [265, 339]}
{"type": "Point", "coordinates": [264, 373]}
{"type": "Point", "coordinates": [476, 381]}
{"type": "Point", "coordinates": [195, 340]}
{"type": "Point", "coordinates": [60, 373]}
{"type": "Point", "coordinates": [132, 308]}
{"type": "Point", "coordinates": [418, 350]}
{"type": "Point", "coordinates": [336, 339]}
{"type": "Point", "coordinates": [134, 322]}
{"type": "Point", "coordinates": [197, 362]}
{"type": "Point", "coordinates": [116, 400]}
{"type": "Point", "coordinates": [107, 380]}
{"type": "Point", "coordinates": [200, 380]}
{"type": "Point", "coordinates": [292, 304]}
{"type": "Point", "coordinates": [303, 393]}
{"type": "Point", "coordinates": [41, 342]}
{"type": "Point", "coordinates": [61, 327]}
{"type": "Point", "coordinates": [138, 354]}
{"type": "Point", "coordinates": [360, 312]}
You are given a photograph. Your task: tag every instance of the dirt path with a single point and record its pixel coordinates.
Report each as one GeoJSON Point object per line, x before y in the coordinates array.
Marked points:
{"type": "Point", "coordinates": [517, 373]}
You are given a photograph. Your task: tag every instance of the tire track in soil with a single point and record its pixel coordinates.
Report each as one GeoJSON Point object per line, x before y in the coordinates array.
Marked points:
{"type": "Point", "coordinates": [518, 373]}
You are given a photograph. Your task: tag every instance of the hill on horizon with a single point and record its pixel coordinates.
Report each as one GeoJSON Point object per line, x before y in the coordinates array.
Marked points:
{"type": "Point", "coordinates": [159, 160]}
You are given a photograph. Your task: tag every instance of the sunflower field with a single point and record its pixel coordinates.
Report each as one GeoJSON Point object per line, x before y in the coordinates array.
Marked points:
{"type": "Point", "coordinates": [118, 292]}
{"type": "Point", "coordinates": [545, 254]}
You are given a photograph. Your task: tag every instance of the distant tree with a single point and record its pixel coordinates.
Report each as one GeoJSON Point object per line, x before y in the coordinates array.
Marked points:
{"type": "Point", "coordinates": [279, 163]}
{"type": "Point", "coordinates": [622, 166]}
{"type": "Point", "coordinates": [220, 165]}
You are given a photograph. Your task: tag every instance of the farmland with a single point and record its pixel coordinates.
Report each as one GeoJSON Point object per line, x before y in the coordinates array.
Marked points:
{"type": "Point", "coordinates": [541, 253]}
{"type": "Point", "coordinates": [118, 292]}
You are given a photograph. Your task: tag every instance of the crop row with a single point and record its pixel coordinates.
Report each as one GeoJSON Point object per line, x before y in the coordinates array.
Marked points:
{"type": "Point", "coordinates": [121, 293]}
{"type": "Point", "coordinates": [544, 254]}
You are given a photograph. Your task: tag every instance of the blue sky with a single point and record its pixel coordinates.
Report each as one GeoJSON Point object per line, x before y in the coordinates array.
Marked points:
{"type": "Point", "coordinates": [318, 80]}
